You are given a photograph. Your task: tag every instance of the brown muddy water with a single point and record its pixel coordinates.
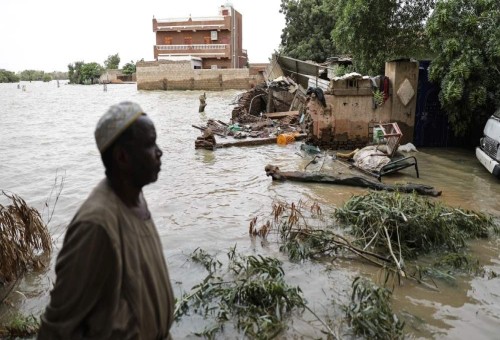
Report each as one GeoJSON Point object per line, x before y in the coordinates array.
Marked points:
{"type": "Point", "coordinates": [206, 199]}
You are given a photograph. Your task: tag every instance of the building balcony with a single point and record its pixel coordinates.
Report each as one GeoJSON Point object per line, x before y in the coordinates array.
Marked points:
{"type": "Point", "coordinates": [198, 50]}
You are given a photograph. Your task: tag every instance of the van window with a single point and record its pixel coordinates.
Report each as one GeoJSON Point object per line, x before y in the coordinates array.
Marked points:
{"type": "Point", "coordinates": [497, 113]}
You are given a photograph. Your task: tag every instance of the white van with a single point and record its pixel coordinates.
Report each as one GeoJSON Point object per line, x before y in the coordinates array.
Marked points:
{"type": "Point", "coordinates": [488, 151]}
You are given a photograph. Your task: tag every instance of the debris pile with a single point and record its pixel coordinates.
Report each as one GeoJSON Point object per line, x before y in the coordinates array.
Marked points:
{"type": "Point", "coordinates": [251, 117]}
{"type": "Point", "coordinates": [250, 103]}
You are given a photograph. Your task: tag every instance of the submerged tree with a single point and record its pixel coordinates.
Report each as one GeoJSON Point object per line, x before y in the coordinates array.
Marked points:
{"type": "Point", "coordinates": [465, 36]}
{"type": "Point", "coordinates": [374, 31]}
{"type": "Point", "coordinates": [370, 313]}
{"type": "Point", "coordinates": [74, 72]}
{"type": "Point", "coordinates": [84, 73]}
{"type": "Point", "coordinates": [91, 72]}
{"type": "Point", "coordinates": [306, 35]}
{"type": "Point", "coordinates": [251, 292]}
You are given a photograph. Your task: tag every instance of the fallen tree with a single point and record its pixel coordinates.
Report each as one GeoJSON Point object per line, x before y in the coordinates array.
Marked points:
{"type": "Point", "coordinates": [357, 181]}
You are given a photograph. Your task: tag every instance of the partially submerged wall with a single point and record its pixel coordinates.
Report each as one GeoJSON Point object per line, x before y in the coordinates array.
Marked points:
{"type": "Point", "coordinates": [349, 116]}
{"type": "Point", "coordinates": [178, 75]}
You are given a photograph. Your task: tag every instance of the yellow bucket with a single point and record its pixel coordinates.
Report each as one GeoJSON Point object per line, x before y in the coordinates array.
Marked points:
{"type": "Point", "coordinates": [285, 138]}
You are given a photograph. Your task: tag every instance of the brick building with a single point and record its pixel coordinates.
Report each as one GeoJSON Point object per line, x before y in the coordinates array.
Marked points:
{"type": "Point", "coordinates": [217, 40]}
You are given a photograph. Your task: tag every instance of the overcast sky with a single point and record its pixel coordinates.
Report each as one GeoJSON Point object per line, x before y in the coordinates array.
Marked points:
{"type": "Point", "coordinates": [47, 35]}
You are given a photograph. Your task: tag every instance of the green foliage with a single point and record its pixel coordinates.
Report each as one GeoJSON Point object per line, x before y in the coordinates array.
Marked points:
{"type": "Point", "coordinates": [374, 31]}
{"type": "Point", "coordinates": [112, 62]}
{"type": "Point", "coordinates": [411, 224]}
{"type": "Point", "coordinates": [82, 73]}
{"type": "Point", "coordinates": [34, 75]}
{"type": "Point", "coordinates": [8, 77]}
{"type": "Point", "coordinates": [20, 327]}
{"type": "Point", "coordinates": [465, 36]}
{"type": "Point", "coordinates": [306, 35]}
{"type": "Point", "coordinates": [378, 97]}
{"type": "Point", "coordinates": [129, 68]}
{"type": "Point", "coordinates": [252, 292]}
{"type": "Point", "coordinates": [343, 70]}
{"type": "Point", "coordinates": [74, 72]}
{"type": "Point", "coordinates": [91, 72]}
{"type": "Point", "coordinates": [370, 314]}
{"type": "Point", "coordinates": [388, 228]}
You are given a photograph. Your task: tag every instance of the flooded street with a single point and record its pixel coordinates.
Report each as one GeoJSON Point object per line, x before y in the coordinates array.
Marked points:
{"type": "Point", "coordinates": [206, 199]}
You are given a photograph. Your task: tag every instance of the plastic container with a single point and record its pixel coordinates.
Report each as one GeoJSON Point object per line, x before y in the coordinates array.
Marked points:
{"type": "Point", "coordinates": [285, 138]}
{"type": "Point", "coordinates": [378, 135]}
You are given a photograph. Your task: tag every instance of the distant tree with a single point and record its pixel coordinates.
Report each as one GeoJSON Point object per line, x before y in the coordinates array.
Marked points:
{"type": "Point", "coordinates": [374, 31]}
{"type": "Point", "coordinates": [74, 72]}
{"type": "Point", "coordinates": [112, 62]}
{"type": "Point", "coordinates": [32, 75]}
{"type": "Point", "coordinates": [84, 73]}
{"type": "Point", "coordinates": [27, 75]}
{"type": "Point", "coordinates": [57, 75]}
{"type": "Point", "coordinates": [90, 73]}
{"type": "Point", "coordinates": [465, 37]}
{"type": "Point", "coordinates": [46, 77]}
{"type": "Point", "coordinates": [308, 25]}
{"type": "Point", "coordinates": [8, 77]}
{"type": "Point", "coordinates": [129, 68]}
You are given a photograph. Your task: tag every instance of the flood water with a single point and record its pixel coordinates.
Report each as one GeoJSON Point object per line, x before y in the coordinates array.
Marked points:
{"type": "Point", "coordinates": [206, 199]}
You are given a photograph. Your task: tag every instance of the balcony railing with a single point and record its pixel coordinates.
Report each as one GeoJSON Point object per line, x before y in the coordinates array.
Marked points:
{"type": "Point", "coordinates": [216, 50]}
{"type": "Point", "coordinates": [192, 47]}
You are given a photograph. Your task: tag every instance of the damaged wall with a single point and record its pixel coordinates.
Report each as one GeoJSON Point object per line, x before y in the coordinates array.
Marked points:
{"type": "Point", "coordinates": [179, 75]}
{"type": "Point", "coordinates": [349, 116]}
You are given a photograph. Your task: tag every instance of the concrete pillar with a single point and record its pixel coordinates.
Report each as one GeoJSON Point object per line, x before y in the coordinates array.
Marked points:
{"type": "Point", "coordinates": [403, 78]}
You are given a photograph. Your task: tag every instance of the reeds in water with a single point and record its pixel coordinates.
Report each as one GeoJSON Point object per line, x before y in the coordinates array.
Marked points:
{"type": "Point", "coordinates": [24, 238]}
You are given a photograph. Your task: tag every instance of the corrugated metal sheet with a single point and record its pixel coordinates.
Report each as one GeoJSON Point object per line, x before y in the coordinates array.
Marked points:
{"type": "Point", "coordinates": [298, 70]}
{"type": "Point", "coordinates": [273, 71]}
{"type": "Point", "coordinates": [317, 82]}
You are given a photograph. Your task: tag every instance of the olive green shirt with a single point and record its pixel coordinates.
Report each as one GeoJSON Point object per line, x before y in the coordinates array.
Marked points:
{"type": "Point", "coordinates": [111, 277]}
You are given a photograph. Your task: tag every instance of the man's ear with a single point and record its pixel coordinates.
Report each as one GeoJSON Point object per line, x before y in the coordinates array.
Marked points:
{"type": "Point", "coordinates": [121, 157]}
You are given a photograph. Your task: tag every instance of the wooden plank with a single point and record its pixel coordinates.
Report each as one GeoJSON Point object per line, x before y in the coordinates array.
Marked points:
{"type": "Point", "coordinates": [281, 114]}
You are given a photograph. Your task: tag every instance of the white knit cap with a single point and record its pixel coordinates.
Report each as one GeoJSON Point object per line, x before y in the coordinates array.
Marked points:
{"type": "Point", "coordinates": [116, 120]}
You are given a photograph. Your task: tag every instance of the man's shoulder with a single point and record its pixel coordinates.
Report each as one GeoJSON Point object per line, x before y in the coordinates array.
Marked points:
{"type": "Point", "coordinates": [101, 207]}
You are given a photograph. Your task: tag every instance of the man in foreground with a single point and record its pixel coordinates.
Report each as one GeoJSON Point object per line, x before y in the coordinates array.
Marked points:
{"type": "Point", "coordinates": [112, 281]}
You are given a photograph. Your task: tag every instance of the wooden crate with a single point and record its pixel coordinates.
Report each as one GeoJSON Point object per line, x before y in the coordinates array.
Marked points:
{"type": "Point", "coordinates": [392, 136]}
